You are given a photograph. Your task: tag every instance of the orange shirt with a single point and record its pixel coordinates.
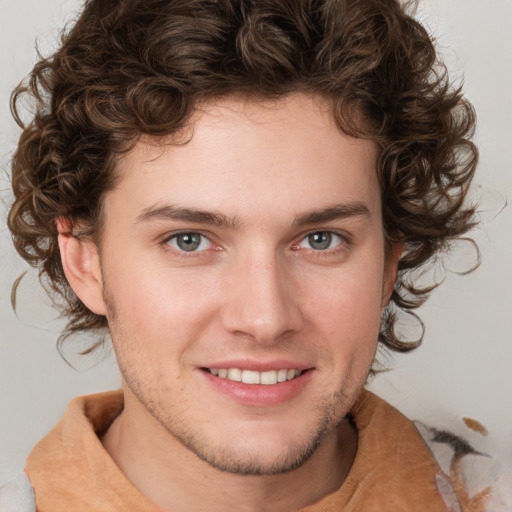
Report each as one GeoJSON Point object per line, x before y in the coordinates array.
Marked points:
{"type": "Point", "coordinates": [393, 471]}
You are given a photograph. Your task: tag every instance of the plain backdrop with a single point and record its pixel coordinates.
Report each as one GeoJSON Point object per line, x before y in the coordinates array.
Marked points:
{"type": "Point", "coordinates": [463, 368]}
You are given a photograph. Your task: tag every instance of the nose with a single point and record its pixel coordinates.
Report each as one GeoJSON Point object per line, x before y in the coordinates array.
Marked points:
{"type": "Point", "coordinates": [262, 300]}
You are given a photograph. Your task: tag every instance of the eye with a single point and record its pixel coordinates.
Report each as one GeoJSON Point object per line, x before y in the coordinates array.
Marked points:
{"type": "Point", "coordinates": [321, 241]}
{"type": "Point", "coordinates": [189, 242]}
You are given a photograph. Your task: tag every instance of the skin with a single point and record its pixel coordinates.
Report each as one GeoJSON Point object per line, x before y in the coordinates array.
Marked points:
{"type": "Point", "coordinates": [257, 290]}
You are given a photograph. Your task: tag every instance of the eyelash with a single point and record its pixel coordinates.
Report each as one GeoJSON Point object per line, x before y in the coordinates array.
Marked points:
{"type": "Point", "coordinates": [342, 246]}
{"type": "Point", "coordinates": [188, 254]}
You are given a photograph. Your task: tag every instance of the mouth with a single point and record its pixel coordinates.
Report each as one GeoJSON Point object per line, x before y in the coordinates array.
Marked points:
{"type": "Point", "coordinates": [259, 384]}
{"type": "Point", "coordinates": [268, 378]}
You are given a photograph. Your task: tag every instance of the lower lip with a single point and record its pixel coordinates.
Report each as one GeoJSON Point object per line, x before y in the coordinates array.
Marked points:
{"type": "Point", "coordinates": [261, 395]}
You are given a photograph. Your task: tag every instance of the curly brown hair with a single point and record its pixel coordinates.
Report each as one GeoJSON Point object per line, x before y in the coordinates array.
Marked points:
{"type": "Point", "coordinates": [129, 68]}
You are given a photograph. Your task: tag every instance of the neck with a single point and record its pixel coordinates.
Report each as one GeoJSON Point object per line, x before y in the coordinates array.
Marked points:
{"type": "Point", "coordinates": [174, 478]}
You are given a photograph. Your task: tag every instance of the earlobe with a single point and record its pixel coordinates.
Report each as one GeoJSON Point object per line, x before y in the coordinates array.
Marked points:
{"type": "Point", "coordinates": [80, 261]}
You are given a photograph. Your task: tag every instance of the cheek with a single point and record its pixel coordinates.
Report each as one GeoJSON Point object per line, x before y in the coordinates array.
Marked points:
{"type": "Point", "coordinates": [165, 309]}
{"type": "Point", "coordinates": [353, 298]}
{"type": "Point", "coordinates": [348, 314]}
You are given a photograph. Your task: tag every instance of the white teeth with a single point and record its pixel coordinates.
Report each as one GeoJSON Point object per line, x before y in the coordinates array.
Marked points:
{"type": "Point", "coordinates": [250, 377]}
{"type": "Point", "coordinates": [253, 377]}
{"type": "Point", "coordinates": [269, 377]}
{"type": "Point", "coordinates": [235, 374]}
{"type": "Point", "coordinates": [281, 375]}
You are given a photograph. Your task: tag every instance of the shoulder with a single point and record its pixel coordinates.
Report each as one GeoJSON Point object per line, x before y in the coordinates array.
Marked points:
{"type": "Point", "coordinates": [465, 468]}
{"type": "Point", "coordinates": [482, 483]}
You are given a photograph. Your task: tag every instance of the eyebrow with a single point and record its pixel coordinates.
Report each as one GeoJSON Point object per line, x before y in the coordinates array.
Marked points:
{"type": "Point", "coordinates": [334, 212]}
{"type": "Point", "coordinates": [171, 212]}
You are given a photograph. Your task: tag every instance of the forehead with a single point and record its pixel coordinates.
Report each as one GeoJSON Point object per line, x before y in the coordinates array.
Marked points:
{"type": "Point", "coordinates": [286, 155]}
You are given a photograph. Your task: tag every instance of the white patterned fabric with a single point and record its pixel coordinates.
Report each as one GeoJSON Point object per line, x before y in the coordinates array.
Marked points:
{"type": "Point", "coordinates": [17, 495]}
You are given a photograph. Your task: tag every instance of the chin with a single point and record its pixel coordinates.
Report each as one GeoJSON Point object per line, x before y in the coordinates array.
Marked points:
{"type": "Point", "coordinates": [261, 450]}
{"type": "Point", "coordinates": [262, 459]}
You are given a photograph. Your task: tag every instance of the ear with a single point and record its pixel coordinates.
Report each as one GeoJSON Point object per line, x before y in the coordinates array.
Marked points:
{"type": "Point", "coordinates": [391, 270]}
{"type": "Point", "coordinates": [81, 264]}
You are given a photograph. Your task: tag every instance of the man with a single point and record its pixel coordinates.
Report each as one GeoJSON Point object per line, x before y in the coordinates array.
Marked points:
{"type": "Point", "coordinates": [236, 193]}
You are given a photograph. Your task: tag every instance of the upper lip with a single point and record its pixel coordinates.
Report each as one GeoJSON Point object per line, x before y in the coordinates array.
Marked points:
{"type": "Point", "coordinates": [259, 366]}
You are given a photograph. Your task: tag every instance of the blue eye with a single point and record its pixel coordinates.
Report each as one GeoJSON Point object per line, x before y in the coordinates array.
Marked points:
{"type": "Point", "coordinates": [189, 242]}
{"type": "Point", "coordinates": [321, 241]}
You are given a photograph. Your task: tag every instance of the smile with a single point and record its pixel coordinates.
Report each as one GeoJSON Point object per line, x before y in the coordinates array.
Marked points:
{"type": "Point", "coordinates": [254, 377]}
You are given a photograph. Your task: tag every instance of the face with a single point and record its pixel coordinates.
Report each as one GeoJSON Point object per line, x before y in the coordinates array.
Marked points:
{"type": "Point", "coordinates": [244, 277]}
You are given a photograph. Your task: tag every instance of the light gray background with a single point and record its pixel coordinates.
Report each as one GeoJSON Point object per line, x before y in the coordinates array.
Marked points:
{"type": "Point", "coordinates": [464, 367]}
